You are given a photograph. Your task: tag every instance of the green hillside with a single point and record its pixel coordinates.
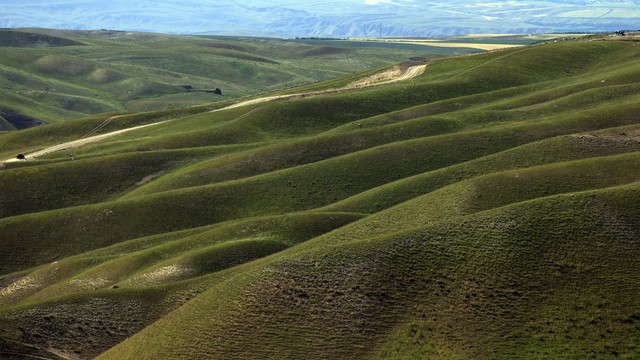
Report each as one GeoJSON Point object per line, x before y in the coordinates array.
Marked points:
{"type": "Point", "coordinates": [53, 75]}
{"type": "Point", "coordinates": [486, 208]}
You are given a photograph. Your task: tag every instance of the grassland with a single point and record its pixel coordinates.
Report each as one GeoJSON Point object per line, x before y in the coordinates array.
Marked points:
{"type": "Point", "coordinates": [48, 76]}
{"type": "Point", "coordinates": [487, 209]}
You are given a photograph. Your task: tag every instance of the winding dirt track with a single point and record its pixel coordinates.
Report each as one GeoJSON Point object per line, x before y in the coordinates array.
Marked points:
{"type": "Point", "coordinates": [77, 143]}
{"type": "Point", "coordinates": [409, 73]}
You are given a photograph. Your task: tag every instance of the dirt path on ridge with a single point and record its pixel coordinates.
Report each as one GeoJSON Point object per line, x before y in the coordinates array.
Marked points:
{"type": "Point", "coordinates": [76, 143]}
{"type": "Point", "coordinates": [390, 76]}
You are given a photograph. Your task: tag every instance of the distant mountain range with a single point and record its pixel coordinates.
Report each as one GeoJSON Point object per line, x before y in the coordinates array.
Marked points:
{"type": "Point", "coordinates": [350, 18]}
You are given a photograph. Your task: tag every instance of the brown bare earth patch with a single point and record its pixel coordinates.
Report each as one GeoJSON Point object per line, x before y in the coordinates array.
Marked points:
{"type": "Point", "coordinates": [394, 72]}
{"type": "Point", "coordinates": [159, 276]}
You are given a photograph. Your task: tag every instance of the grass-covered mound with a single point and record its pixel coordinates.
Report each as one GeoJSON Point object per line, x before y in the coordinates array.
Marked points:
{"type": "Point", "coordinates": [484, 209]}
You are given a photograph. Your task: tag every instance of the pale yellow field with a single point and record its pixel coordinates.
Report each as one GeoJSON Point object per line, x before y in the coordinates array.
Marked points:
{"type": "Point", "coordinates": [487, 35]}
{"type": "Point", "coordinates": [458, 41]}
{"type": "Point", "coordinates": [453, 44]}
{"type": "Point", "coordinates": [446, 43]}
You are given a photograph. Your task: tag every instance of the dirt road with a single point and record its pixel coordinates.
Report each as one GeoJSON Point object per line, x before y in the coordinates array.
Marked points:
{"type": "Point", "coordinates": [77, 143]}
{"type": "Point", "coordinates": [387, 78]}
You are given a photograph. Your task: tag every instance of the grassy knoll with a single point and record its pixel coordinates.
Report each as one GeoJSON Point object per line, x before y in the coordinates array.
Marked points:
{"type": "Point", "coordinates": [486, 208]}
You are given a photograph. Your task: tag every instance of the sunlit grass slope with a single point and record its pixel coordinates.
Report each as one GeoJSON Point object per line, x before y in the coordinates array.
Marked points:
{"type": "Point", "coordinates": [487, 208]}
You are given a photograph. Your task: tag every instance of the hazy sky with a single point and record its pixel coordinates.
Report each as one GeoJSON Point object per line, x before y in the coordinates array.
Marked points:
{"type": "Point", "coordinates": [324, 17]}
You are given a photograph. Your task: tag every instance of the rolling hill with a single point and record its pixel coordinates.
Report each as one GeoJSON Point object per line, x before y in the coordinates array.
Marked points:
{"type": "Point", "coordinates": [485, 208]}
{"type": "Point", "coordinates": [54, 75]}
